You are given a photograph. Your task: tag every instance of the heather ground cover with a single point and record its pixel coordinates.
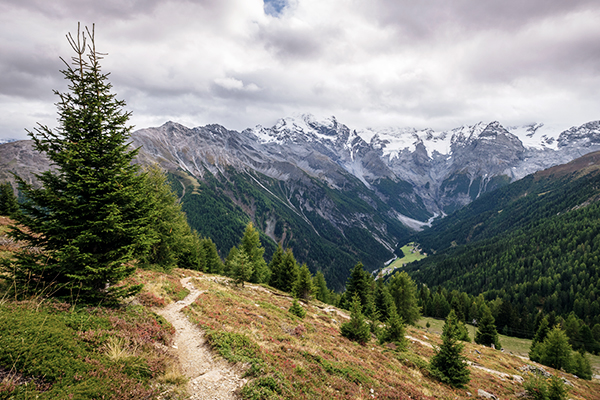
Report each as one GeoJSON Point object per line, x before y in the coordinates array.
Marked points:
{"type": "Point", "coordinates": [289, 357]}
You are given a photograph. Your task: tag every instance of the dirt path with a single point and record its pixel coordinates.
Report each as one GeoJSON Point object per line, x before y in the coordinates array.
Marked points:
{"type": "Point", "coordinates": [210, 378]}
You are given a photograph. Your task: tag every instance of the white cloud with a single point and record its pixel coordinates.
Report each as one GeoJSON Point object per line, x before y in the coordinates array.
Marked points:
{"type": "Point", "coordinates": [387, 62]}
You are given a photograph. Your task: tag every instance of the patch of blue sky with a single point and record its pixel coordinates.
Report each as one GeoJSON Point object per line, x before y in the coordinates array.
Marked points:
{"type": "Point", "coordinates": [274, 7]}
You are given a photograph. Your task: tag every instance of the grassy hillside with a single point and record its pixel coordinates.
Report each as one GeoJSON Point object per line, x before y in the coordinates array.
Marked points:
{"type": "Point", "coordinates": [54, 350]}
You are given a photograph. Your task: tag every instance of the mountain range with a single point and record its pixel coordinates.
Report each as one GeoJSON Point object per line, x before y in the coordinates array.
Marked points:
{"type": "Point", "coordinates": [334, 194]}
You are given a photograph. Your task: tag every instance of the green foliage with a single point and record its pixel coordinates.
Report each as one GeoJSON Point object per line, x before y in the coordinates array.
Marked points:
{"type": "Point", "coordinates": [581, 365]}
{"type": "Point", "coordinates": [90, 217]}
{"type": "Point", "coordinates": [251, 246]}
{"type": "Point", "coordinates": [404, 292]}
{"type": "Point", "coordinates": [384, 301]}
{"type": "Point", "coordinates": [65, 352]}
{"type": "Point", "coordinates": [448, 364]}
{"type": "Point", "coordinates": [174, 243]}
{"type": "Point", "coordinates": [212, 261]}
{"type": "Point", "coordinates": [486, 329]}
{"type": "Point", "coordinates": [303, 287]}
{"type": "Point", "coordinates": [357, 328]}
{"type": "Point", "coordinates": [297, 309]}
{"type": "Point", "coordinates": [322, 292]}
{"type": "Point", "coordinates": [555, 351]}
{"type": "Point", "coordinates": [358, 284]}
{"type": "Point", "coordinates": [394, 331]}
{"type": "Point", "coordinates": [538, 388]}
{"type": "Point", "coordinates": [241, 268]}
{"type": "Point", "coordinates": [284, 271]}
{"type": "Point", "coordinates": [8, 201]}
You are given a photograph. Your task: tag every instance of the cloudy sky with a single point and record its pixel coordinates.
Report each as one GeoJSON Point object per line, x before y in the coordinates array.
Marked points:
{"type": "Point", "coordinates": [377, 63]}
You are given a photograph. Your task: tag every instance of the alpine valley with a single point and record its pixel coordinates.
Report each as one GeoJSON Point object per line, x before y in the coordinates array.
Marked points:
{"type": "Point", "coordinates": [333, 194]}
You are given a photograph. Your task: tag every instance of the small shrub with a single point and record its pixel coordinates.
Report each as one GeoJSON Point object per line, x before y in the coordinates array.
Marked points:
{"type": "Point", "coordinates": [263, 388]}
{"type": "Point", "coordinates": [540, 388]}
{"type": "Point", "coordinates": [151, 300]}
{"type": "Point", "coordinates": [297, 309]}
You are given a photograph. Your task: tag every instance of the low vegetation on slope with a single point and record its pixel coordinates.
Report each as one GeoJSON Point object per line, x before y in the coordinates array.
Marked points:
{"type": "Point", "coordinates": [290, 357]}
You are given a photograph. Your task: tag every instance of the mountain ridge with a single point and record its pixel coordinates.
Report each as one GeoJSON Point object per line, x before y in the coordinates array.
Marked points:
{"type": "Point", "coordinates": [321, 188]}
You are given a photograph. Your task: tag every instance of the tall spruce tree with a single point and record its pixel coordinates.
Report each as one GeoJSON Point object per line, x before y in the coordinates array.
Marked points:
{"type": "Point", "coordinates": [448, 364]}
{"type": "Point", "coordinates": [90, 218]}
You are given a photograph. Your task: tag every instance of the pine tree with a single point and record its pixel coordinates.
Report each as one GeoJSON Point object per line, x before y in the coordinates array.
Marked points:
{"type": "Point", "coordinates": [356, 329]}
{"type": "Point", "coordinates": [250, 244]}
{"type": "Point", "coordinates": [297, 309]}
{"type": "Point", "coordinates": [322, 292]}
{"type": "Point", "coordinates": [448, 364]}
{"type": "Point", "coordinates": [213, 263]}
{"type": "Point", "coordinates": [486, 329]}
{"type": "Point", "coordinates": [275, 266]}
{"type": "Point", "coordinates": [538, 339]}
{"type": "Point", "coordinates": [404, 292]}
{"type": "Point", "coordinates": [90, 217]}
{"type": "Point", "coordinates": [395, 330]}
{"type": "Point", "coordinates": [303, 287]}
{"type": "Point", "coordinates": [193, 256]}
{"type": "Point", "coordinates": [241, 268]}
{"type": "Point", "coordinates": [8, 201]}
{"type": "Point", "coordinates": [288, 272]}
{"type": "Point", "coordinates": [555, 350]}
{"type": "Point", "coordinates": [358, 283]}
{"type": "Point", "coordinates": [384, 301]}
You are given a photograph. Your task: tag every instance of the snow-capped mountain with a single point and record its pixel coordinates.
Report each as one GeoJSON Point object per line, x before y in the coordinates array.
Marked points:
{"type": "Point", "coordinates": [335, 194]}
{"type": "Point", "coordinates": [447, 169]}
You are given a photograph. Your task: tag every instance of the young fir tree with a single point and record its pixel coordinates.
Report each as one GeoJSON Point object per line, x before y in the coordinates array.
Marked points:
{"type": "Point", "coordinates": [322, 292]}
{"type": "Point", "coordinates": [286, 273]}
{"type": "Point", "coordinates": [448, 364]}
{"type": "Point", "coordinates": [555, 351]}
{"type": "Point", "coordinates": [275, 267]}
{"type": "Point", "coordinates": [404, 292]}
{"type": "Point", "coordinates": [383, 300]}
{"type": "Point", "coordinates": [90, 217]}
{"type": "Point", "coordinates": [540, 336]}
{"type": "Point", "coordinates": [9, 205]}
{"type": "Point", "coordinates": [250, 244]}
{"type": "Point", "coordinates": [212, 261]}
{"type": "Point", "coordinates": [303, 287]}
{"type": "Point", "coordinates": [297, 309]}
{"type": "Point", "coordinates": [486, 329]}
{"type": "Point", "coordinates": [357, 328]}
{"type": "Point", "coordinates": [357, 284]}
{"type": "Point", "coordinates": [241, 268]}
{"type": "Point", "coordinates": [395, 330]}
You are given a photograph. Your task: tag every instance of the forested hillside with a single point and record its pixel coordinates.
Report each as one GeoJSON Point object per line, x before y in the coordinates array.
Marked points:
{"type": "Point", "coordinates": [220, 207]}
{"type": "Point", "coordinates": [534, 244]}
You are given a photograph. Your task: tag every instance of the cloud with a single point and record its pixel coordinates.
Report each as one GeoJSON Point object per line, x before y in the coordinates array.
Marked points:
{"type": "Point", "coordinates": [244, 62]}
